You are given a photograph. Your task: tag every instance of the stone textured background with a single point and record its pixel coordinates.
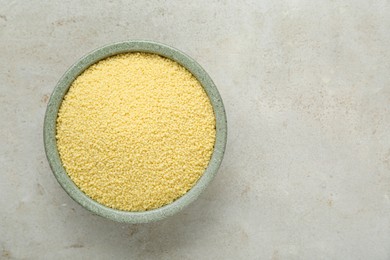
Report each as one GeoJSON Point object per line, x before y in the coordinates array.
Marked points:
{"type": "Point", "coordinates": [306, 85]}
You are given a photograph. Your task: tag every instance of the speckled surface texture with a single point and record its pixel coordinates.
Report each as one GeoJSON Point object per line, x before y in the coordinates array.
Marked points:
{"type": "Point", "coordinates": [61, 89]}
{"type": "Point", "coordinates": [306, 87]}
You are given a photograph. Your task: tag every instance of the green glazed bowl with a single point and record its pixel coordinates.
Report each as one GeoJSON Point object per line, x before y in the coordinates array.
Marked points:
{"type": "Point", "coordinates": [49, 131]}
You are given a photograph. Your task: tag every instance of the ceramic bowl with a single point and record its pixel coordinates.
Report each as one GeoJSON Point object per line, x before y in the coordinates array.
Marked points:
{"type": "Point", "coordinates": [50, 131]}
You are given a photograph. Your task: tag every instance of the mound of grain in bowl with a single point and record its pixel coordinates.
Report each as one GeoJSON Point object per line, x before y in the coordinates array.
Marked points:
{"type": "Point", "coordinates": [135, 131]}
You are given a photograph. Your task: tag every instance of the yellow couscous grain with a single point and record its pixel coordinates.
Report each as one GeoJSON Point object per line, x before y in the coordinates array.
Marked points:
{"type": "Point", "coordinates": [135, 131]}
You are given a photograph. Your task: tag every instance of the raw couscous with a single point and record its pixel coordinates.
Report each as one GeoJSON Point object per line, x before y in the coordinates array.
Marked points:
{"type": "Point", "coordinates": [135, 131]}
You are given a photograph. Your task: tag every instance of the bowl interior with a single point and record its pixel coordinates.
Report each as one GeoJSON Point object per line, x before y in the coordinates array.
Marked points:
{"type": "Point", "coordinates": [61, 90]}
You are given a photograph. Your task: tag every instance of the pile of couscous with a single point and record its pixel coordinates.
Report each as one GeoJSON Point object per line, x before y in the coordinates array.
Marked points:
{"type": "Point", "coordinates": [135, 131]}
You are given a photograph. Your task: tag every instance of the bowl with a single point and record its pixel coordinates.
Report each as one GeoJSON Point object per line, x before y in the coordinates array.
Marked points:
{"type": "Point", "coordinates": [49, 131]}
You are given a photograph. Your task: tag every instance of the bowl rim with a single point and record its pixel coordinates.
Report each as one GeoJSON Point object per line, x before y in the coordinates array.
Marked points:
{"type": "Point", "coordinates": [60, 90]}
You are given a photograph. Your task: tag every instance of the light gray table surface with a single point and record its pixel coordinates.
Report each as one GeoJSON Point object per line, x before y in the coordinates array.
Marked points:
{"type": "Point", "coordinates": [306, 86]}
